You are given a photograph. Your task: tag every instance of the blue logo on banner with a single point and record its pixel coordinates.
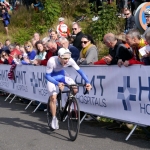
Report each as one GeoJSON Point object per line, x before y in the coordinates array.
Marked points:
{"type": "Point", "coordinates": [126, 93]}
{"type": "Point", "coordinates": [34, 82]}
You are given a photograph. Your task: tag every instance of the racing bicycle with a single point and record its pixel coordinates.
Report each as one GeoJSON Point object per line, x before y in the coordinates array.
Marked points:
{"type": "Point", "coordinates": [70, 110]}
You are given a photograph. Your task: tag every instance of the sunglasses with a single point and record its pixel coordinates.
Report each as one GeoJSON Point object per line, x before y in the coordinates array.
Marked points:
{"type": "Point", "coordinates": [74, 28]}
{"type": "Point", "coordinates": [27, 46]}
{"type": "Point", "coordinates": [84, 42]}
{"type": "Point", "coordinates": [126, 14]}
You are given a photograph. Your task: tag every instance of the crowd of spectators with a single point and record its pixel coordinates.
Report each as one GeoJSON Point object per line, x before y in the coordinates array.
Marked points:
{"type": "Point", "coordinates": [123, 48]}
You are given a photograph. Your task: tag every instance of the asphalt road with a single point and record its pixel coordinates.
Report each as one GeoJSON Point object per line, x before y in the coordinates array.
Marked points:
{"type": "Point", "coordinates": [21, 129]}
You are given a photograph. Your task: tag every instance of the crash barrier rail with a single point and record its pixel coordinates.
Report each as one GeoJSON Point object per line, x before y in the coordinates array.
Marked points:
{"type": "Point", "coordinates": [118, 93]}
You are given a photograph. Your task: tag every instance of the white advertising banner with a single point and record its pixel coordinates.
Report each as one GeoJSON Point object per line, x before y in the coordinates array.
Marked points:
{"type": "Point", "coordinates": [120, 93]}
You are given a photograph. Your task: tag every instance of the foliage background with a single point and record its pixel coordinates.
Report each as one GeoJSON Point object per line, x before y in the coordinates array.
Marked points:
{"type": "Point", "coordinates": [25, 22]}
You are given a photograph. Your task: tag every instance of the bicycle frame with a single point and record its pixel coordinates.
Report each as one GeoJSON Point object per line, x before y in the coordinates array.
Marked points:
{"type": "Point", "coordinates": [59, 100]}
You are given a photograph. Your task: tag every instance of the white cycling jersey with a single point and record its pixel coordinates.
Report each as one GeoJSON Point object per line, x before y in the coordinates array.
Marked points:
{"type": "Point", "coordinates": [55, 74]}
{"type": "Point", "coordinates": [54, 65]}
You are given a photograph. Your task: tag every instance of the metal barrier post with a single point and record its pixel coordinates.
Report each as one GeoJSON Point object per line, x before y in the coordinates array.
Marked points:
{"type": "Point", "coordinates": [28, 105]}
{"type": "Point", "coordinates": [12, 98]}
{"type": "Point", "coordinates": [83, 118]}
{"type": "Point", "coordinates": [135, 126]}
{"type": "Point", "coordinates": [37, 107]}
{"type": "Point", "coordinates": [7, 97]}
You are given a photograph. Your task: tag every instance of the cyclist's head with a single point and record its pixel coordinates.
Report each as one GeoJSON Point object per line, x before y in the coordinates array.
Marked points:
{"type": "Point", "coordinates": [64, 55]}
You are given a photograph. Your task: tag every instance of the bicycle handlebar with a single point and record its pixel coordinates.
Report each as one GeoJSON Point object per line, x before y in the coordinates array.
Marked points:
{"type": "Point", "coordinates": [70, 86]}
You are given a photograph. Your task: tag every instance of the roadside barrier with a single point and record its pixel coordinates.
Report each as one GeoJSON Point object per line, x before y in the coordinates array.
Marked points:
{"type": "Point", "coordinates": [118, 93]}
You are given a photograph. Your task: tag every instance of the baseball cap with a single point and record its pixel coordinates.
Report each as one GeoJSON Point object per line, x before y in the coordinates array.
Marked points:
{"type": "Point", "coordinates": [147, 12]}
{"type": "Point", "coordinates": [61, 19]}
{"type": "Point", "coordinates": [63, 51]}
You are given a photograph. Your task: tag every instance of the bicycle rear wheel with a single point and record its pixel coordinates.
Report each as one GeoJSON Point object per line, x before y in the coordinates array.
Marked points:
{"type": "Point", "coordinates": [73, 119]}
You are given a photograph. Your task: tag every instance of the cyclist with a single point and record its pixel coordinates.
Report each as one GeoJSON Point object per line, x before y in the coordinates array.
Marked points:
{"type": "Point", "coordinates": [57, 76]}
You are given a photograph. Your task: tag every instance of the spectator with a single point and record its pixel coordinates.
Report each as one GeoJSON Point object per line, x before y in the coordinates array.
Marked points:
{"type": "Point", "coordinates": [147, 16]}
{"type": "Point", "coordinates": [44, 41]}
{"type": "Point", "coordinates": [62, 28]}
{"type": "Point", "coordinates": [14, 51]}
{"type": "Point", "coordinates": [38, 6]}
{"type": "Point", "coordinates": [77, 31]}
{"type": "Point", "coordinates": [40, 50]}
{"type": "Point", "coordinates": [6, 20]}
{"type": "Point", "coordinates": [130, 20]}
{"type": "Point", "coordinates": [23, 53]}
{"type": "Point", "coordinates": [89, 52]}
{"type": "Point", "coordinates": [146, 58]}
{"type": "Point", "coordinates": [7, 42]}
{"type": "Point", "coordinates": [52, 49]}
{"type": "Point", "coordinates": [74, 51]}
{"type": "Point", "coordinates": [17, 46]}
{"type": "Point", "coordinates": [133, 38]}
{"type": "Point", "coordinates": [118, 53]}
{"type": "Point", "coordinates": [120, 38]}
{"type": "Point", "coordinates": [54, 36]}
{"type": "Point", "coordinates": [6, 46]}
{"type": "Point", "coordinates": [122, 5]}
{"type": "Point", "coordinates": [6, 58]}
{"type": "Point", "coordinates": [36, 37]}
{"type": "Point", "coordinates": [31, 53]}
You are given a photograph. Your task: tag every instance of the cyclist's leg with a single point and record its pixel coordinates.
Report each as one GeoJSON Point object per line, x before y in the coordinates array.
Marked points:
{"type": "Point", "coordinates": [53, 98]}
{"type": "Point", "coordinates": [52, 104]}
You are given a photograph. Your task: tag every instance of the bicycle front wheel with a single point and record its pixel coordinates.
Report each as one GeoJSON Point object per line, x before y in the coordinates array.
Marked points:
{"type": "Point", "coordinates": [73, 119]}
